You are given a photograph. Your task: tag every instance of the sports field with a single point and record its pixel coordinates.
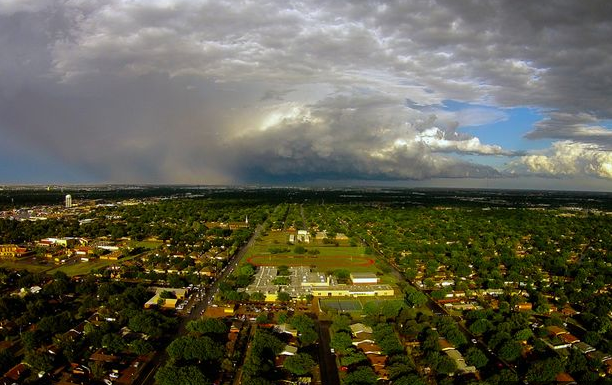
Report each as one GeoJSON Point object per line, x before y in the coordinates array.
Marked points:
{"type": "Point", "coordinates": [356, 305]}
{"type": "Point", "coordinates": [323, 257]}
{"type": "Point", "coordinates": [336, 261]}
{"type": "Point", "coordinates": [341, 305]}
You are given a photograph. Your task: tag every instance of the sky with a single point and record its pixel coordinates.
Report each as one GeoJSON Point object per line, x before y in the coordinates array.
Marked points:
{"type": "Point", "coordinates": [433, 93]}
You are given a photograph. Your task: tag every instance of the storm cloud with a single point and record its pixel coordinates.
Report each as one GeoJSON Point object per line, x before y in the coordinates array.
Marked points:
{"type": "Point", "coordinates": [258, 91]}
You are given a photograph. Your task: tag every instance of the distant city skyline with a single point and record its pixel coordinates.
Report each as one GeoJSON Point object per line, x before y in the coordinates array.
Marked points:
{"type": "Point", "coordinates": [437, 93]}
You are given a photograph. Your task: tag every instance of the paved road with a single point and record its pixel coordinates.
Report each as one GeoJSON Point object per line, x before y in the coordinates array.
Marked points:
{"type": "Point", "coordinates": [147, 377]}
{"type": "Point", "coordinates": [327, 360]}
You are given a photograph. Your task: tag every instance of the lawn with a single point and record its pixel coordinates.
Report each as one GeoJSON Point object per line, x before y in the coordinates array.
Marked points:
{"type": "Point", "coordinates": [329, 256]}
{"type": "Point", "coordinates": [34, 268]}
{"type": "Point", "coordinates": [147, 244]}
{"type": "Point", "coordinates": [81, 268]}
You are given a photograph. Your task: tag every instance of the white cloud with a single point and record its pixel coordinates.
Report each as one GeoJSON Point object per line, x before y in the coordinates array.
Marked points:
{"type": "Point", "coordinates": [567, 159]}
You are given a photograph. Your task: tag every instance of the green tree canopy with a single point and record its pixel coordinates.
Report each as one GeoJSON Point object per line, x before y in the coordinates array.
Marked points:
{"type": "Point", "coordinates": [299, 364]}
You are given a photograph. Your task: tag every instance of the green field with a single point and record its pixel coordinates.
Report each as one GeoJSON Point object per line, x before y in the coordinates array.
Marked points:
{"type": "Point", "coordinates": [81, 268]}
{"type": "Point", "coordinates": [329, 257]}
{"type": "Point", "coordinates": [34, 268]}
{"type": "Point", "coordinates": [355, 305]}
{"type": "Point", "coordinates": [148, 244]}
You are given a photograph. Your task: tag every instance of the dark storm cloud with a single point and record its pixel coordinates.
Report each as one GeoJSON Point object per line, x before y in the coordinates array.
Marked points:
{"type": "Point", "coordinates": [222, 91]}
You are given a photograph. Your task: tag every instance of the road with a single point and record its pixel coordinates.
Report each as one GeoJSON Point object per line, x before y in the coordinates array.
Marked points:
{"type": "Point", "coordinates": [327, 360]}
{"type": "Point", "coordinates": [147, 377]}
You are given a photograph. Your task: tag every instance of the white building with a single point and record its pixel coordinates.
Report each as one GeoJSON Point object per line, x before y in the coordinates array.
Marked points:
{"type": "Point", "coordinates": [364, 278]}
{"type": "Point", "coordinates": [68, 201]}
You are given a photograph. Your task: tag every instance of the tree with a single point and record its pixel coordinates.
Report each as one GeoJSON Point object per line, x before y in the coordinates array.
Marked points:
{"type": "Point", "coordinates": [166, 294]}
{"type": "Point", "coordinates": [416, 299]}
{"type": "Point", "coordinates": [480, 326]}
{"type": "Point", "coordinates": [523, 334]}
{"type": "Point", "coordinates": [40, 362]}
{"type": "Point", "coordinates": [185, 375]}
{"type": "Point", "coordinates": [446, 365]}
{"type": "Point", "coordinates": [476, 357]}
{"type": "Point", "coordinates": [544, 371]}
{"type": "Point", "coordinates": [351, 357]}
{"type": "Point", "coordinates": [299, 364]}
{"type": "Point", "coordinates": [283, 296]}
{"type": "Point", "coordinates": [342, 275]}
{"type": "Point", "coordinates": [361, 376]}
{"type": "Point", "coordinates": [113, 343]}
{"type": "Point", "coordinates": [257, 296]}
{"type": "Point", "coordinates": [341, 341]}
{"type": "Point", "coordinates": [140, 347]}
{"type": "Point", "coordinates": [97, 370]}
{"type": "Point", "coordinates": [207, 326]}
{"type": "Point", "coordinates": [31, 339]}
{"type": "Point", "coordinates": [510, 350]}
{"type": "Point", "coordinates": [409, 379]}
{"type": "Point", "coordinates": [194, 348]}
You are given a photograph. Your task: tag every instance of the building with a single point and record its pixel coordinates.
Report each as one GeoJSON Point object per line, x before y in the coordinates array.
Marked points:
{"type": "Point", "coordinates": [303, 236]}
{"type": "Point", "coordinates": [360, 328]}
{"type": "Point", "coordinates": [68, 201]}
{"type": "Point", "coordinates": [364, 278]}
{"type": "Point", "coordinates": [179, 294]}
{"type": "Point", "coordinates": [13, 252]}
{"type": "Point", "coordinates": [353, 291]}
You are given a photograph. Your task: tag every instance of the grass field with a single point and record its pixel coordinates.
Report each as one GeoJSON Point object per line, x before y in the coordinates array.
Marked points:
{"type": "Point", "coordinates": [329, 257]}
{"type": "Point", "coordinates": [324, 262]}
{"type": "Point", "coordinates": [34, 268]}
{"type": "Point", "coordinates": [146, 244]}
{"type": "Point", "coordinates": [352, 305]}
{"type": "Point", "coordinates": [81, 268]}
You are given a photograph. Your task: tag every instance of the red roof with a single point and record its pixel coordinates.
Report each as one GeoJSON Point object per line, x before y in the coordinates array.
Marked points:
{"type": "Point", "coordinates": [16, 371]}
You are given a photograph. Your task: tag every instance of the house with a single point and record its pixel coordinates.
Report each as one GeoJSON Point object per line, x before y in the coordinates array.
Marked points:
{"type": "Point", "coordinates": [569, 338]}
{"type": "Point", "coordinates": [598, 356]}
{"type": "Point", "coordinates": [369, 348]}
{"type": "Point", "coordinates": [377, 360]}
{"type": "Point", "coordinates": [17, 372]}
{"type": "Point", "coordinates": [100, 356]}
{"type": "Point", "coordinates": [445, 345]}
{"type": "Point", "coordinates": [286, 328]}
{"type": "Point", "coordinates": [555, 330]}
{"type": "Point", "coordinates": [565, 378]}
{"type": "Point", "coordinates": [289, 351]}
{"type": "Point", "coordinates": [363, 338]}
{"type": "Point", "coordinates": [527, 306]}
{"type": "Point", "coordinates": [358, 328]}
{"type": "Point", "coordinates": [584, 347]}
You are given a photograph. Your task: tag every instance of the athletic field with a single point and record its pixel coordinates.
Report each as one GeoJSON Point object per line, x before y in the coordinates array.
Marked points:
{"type": "Point", "coordinates": [321, 261]}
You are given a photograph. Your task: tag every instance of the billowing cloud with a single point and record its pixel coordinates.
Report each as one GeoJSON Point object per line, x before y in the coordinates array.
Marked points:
{"type": "Point", "coordinates": [359, 137]}
{"type": "Point", "coordinates": [228, 91]}
{"type": "Point", "coordinates": [567, 159]}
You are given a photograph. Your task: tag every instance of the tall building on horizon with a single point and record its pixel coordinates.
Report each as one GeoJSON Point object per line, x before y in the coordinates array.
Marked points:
{"type": "Point", "coordinates": [68, 201]}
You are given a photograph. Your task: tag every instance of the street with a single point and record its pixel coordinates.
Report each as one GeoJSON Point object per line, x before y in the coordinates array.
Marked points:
{"type": "Point", "coordinates": [147, 377]}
